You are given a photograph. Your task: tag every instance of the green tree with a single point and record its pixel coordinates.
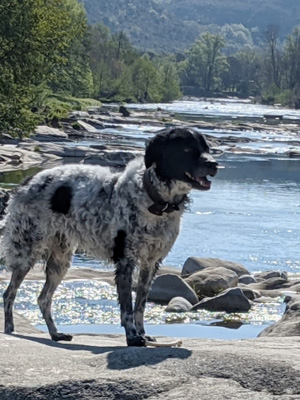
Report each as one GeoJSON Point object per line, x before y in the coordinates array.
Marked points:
{"type": "Point", "coordinates": [272, 56]}
{"type": "Point", "coordinates": [74, 75]}
{"type": "Point", "coordinates": [244, 74]}
{"type": "Point", "coordinates": [100, 55]}
{"type": "Point", "coordinates": [291, 55]}
{"type": "Point", "coordinates": [145, 80]}
{"type": "Point", "coordinates": [170, 82]}
{"type": "Point", "coordinates": [34, 38]}
{"type": "Point", "coordinates": [205, 63]}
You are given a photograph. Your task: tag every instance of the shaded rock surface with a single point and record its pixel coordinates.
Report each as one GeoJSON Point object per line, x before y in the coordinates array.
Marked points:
{"type": "Point", "coordinates": [246, 279]}
{"type": "Point", "coordinates": [250, 293]}
{"type": "Point", "coordinates": [231, 300]}
{"type": "Point", "coordinates": [194, 264]}
{"type": "Point", "coordinates": [271, 274]}
{"type": "Point", "coordinates": [212, 281]}
{"type": "Point", "coordinates": [289, 324]}
{"type": "Point", "coordinates": [101, 367]}
{"type": "Point", "coordinates": [167, 286]}
{"type": "Point", "coordinates": [269, 284]}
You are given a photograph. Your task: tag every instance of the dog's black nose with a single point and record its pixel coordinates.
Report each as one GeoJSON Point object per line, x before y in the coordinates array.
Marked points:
{"type": "Point", "coordinates": [211, 164]}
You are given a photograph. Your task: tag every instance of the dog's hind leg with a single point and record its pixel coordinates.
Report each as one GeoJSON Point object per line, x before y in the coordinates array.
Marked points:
{"type": "Point", "coordinates": [17, 277]}
{"type": "Point", "coordinates": [56, 268]}
{"type": "Point", "coordinates": [146, 276]}
{"type": "Point", "coordinates": [124, 270]}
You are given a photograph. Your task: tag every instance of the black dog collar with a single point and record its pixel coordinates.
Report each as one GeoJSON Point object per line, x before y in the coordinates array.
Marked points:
{"type": "Point", "coordinates": [160, 206]}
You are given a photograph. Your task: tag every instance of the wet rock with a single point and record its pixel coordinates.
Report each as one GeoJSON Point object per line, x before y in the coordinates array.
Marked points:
{"type": "Point", "coordinates": [87, 126]}
{"type": "Point", "coordinates": [166, 287]}
{"type": "Point", "coordinates": [271, 274]}
{"type": "Point", "coordinates": [246, 279]}
{"type": "Point", "coordinates": [295, 287]}
{"type": "Point", "coordinates": [212, 281]}
{"type": "Point", "coordinates": [178, 304]}
{"type": "Point", "coordinates": [123, 110]}
{"type": "Point", "coordinates": [44, 133]}
{"type": "Point", "coordinates": [250, 293]}
{"type": "Point", "coordinates": [289, 324]}
{"type": "Point", "coordinates": [5, 138]}
{"type": "Point", "coordinates": [95, 122]}
{"type": "Point", "coordinates": [231, 300]}
{"type": "Point", "coordinates": [79, 114]}
{"type": "Point", "coordinates": [194, 264]}
{"type": "Point", "coordinates": [270, 284]}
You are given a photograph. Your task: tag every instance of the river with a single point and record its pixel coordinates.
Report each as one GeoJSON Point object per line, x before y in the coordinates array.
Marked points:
{"type": "Point", "coordinates": [250, 216]}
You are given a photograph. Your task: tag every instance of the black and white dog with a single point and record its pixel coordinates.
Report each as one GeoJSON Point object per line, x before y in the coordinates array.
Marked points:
{"type": "Point", "coordinates": [131, 218]}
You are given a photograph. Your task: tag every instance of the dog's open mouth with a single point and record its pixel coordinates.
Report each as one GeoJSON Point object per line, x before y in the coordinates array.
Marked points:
{"type": "Point", "coordinates": [199, 182]}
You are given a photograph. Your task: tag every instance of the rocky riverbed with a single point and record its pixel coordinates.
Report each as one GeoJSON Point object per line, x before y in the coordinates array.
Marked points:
{"type": "Point", "coordinates": [50, 146]}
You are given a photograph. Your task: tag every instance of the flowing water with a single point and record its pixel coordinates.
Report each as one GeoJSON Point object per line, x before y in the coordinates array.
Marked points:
{"type": "Point", "coordinates": [250, 216]}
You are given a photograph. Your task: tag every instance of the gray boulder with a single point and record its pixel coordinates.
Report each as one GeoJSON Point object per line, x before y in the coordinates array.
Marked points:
{"type": "Point", "coordinates": [178, 304]}
{"type": "Point", "coordinates": [246, 279]}
{"type": "Point", "coordinates": [250, 293]}
{"type": "Point", "coordinates": [212, 281]}
{"type": "Point", "coordinates": [231, 300]}
{"type": "Point", "coordinates": [289, 324]}
{"type": "Point", "coordinates": [195, 264]}
{"type": "Point", "coordinates": [166, 287]}
{"type": "Point", "coordinates": [271, 274]}
{"type": "Point", "coordinates": [270, 284]}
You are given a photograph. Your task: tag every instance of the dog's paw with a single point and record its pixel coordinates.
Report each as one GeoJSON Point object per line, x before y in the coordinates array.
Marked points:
{"type": "Point", "coordinates": [9, 329]}
{"type": "Point", "coordinates": [62, 336]}
{"type": "Point", "coordinates": [150, 338]}
{"type": "Point", "coordinates": [138, 341]}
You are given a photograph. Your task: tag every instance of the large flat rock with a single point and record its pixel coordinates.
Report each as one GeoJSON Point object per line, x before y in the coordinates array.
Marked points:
{"type": "Point", "coordinates": [32, 367]}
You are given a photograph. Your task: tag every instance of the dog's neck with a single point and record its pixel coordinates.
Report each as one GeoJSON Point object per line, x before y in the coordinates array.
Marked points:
{"type": "Point", "coordinates": [166, 197]}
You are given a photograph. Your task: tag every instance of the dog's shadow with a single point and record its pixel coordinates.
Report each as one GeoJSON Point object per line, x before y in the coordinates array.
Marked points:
{"type": "Point", "coordinates": [119, 357]}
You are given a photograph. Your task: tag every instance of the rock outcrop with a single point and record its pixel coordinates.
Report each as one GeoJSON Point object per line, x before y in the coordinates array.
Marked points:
{"type": "Point", "coordinates": [102, 367]}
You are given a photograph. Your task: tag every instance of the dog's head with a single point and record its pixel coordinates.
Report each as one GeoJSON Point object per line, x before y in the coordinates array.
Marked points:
{"type": "Point", "coordinates": [181, 154]}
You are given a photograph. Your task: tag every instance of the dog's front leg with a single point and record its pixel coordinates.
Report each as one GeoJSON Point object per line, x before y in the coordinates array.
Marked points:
{"type": "Point", "coordinates": [124, 270]}
{"type": "Point", "coordinates": [146, 276]}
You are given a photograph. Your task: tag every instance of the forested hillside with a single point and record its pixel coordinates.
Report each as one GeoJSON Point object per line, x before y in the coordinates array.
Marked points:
{"type": "Point", "coordinates": [148, 23]}
{"type": "Point", "coordinates": [171, 25]}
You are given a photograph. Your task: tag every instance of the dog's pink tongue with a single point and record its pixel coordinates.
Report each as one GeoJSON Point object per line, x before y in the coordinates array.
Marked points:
{"type": "Point", "coordinates": [204, 182]}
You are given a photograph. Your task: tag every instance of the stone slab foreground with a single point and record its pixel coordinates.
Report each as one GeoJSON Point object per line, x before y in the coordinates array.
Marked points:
{"type": "Point", "coordinates": [33, 367]}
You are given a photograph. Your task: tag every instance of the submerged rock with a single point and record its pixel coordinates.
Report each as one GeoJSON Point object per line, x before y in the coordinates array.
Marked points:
{"type": "Point", "coordinates": [178, 304]}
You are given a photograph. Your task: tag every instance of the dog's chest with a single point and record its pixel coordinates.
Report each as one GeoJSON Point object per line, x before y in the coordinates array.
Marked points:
{"type": "Point", "coordinates": [154, 237]}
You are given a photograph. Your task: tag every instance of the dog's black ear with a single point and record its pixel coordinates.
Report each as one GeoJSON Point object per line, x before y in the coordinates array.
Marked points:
{"type": "Point", "coordinates": [154, 150]}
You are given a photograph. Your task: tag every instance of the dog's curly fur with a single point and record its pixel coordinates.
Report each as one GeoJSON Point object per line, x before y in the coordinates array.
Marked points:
{"type": "Point", "coordinates": [107, 215]}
